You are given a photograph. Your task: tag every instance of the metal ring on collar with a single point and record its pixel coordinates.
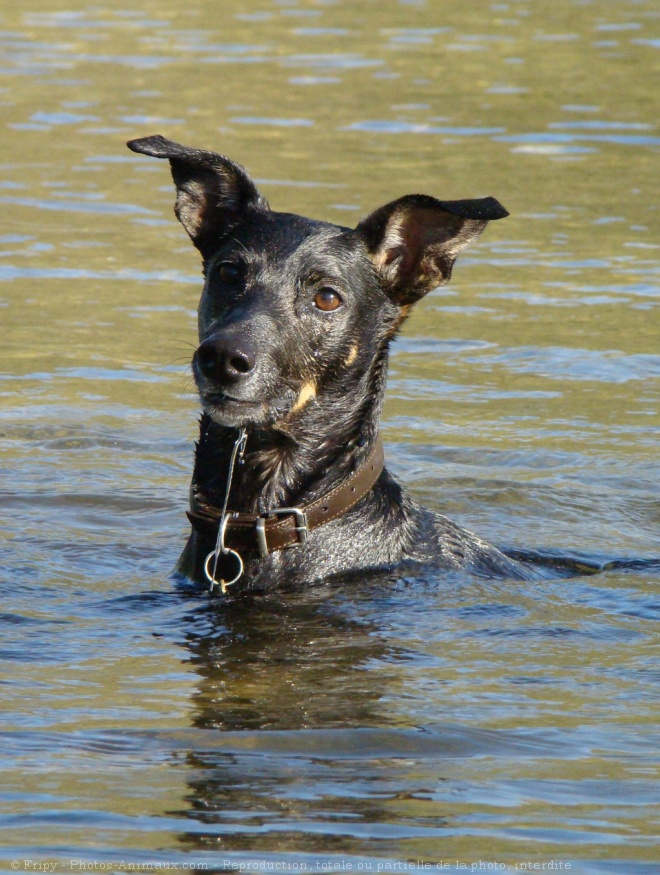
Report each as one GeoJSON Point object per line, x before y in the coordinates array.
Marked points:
{"type": "Point", "coordinates": [223, 583]}
{"type": "Point", "coordinates": [215, 554]}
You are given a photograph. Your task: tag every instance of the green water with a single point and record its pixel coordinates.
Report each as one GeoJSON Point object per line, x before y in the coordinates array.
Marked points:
{"type": "Point", "coordinates": [390, 723]}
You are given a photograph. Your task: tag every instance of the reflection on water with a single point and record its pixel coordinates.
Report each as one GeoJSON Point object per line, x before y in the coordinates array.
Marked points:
{"type": "Point", "coordinates": [364, 721]}
{"type": "Point", "coordinates": [271, 663]}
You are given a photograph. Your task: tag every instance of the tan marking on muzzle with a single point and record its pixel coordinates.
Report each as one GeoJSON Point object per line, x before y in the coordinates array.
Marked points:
{"type": "Point", "coordinates": [305, 395]}
{"type": "Point", "coordinates": [352, 355]}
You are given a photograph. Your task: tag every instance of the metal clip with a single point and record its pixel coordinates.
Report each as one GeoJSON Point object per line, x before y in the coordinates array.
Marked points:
{"type": "Point", "coordinates": [240, 446]}
{"type": "Point", "coordinates": [238, 451]}
{"type": "Point", "coordinates": [220, 549]}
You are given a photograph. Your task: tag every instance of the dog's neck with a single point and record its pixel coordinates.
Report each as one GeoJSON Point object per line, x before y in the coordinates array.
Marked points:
{"type": "Point", "coordinates": [287, 463]}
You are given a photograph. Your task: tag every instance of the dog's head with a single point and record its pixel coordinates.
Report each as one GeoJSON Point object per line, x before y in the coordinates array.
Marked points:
{"type": "Point", "coordinates": [294, 309]}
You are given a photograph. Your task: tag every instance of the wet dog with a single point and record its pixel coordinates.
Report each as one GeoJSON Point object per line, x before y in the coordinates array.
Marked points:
{"type": "Point", "coordinates": [295, 322]}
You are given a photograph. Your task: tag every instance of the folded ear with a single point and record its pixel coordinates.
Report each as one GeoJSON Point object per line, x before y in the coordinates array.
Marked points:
{"type": "Point", "coordinates": [413, 241]}
{"type": "Point", "coordinates": [212, 192]}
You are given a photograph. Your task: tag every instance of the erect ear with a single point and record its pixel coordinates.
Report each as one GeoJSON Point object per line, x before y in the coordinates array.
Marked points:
{"type": "Point", "coordinates": [213, 192]}
{"type": "Point", "coordinates": [413, 241]}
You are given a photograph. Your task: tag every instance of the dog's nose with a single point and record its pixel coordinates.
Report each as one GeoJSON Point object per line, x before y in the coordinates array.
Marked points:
{"type": "Point", "coordinates": [225, 359]}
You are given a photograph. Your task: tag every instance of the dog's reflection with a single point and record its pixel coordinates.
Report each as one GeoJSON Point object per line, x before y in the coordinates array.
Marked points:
{"type": "Point", "coordinates": [287, 662]}
{"type": "Point", "coordinates": [292, 662]}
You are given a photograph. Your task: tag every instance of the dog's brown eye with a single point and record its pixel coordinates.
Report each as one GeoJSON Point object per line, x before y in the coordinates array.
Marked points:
{"type": "Point", "coordinates": [327, 300]}
{"type": "Point", "coordinates": [229, 273]}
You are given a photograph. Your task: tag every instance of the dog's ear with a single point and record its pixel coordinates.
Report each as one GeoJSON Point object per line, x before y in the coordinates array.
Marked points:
{"type": "Point", "coordinates": [413, 241]}
{"type": "Point", "coordinates": [213, 192]}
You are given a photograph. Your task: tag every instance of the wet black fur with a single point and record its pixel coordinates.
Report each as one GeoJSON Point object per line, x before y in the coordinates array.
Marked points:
{"type": "Point", "coordinates": [308, 384]}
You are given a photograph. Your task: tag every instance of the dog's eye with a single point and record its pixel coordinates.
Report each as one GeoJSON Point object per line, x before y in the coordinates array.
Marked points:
{"type": "Point", "coordinates": [229, 273]}
{"type": "Point", "coordinates": [327, 299]}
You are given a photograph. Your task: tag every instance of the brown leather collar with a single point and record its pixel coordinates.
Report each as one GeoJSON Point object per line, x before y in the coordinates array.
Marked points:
{"type": "Point", "coordinates": [288, 526]}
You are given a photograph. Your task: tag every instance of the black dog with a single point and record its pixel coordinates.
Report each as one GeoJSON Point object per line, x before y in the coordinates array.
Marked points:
{"type": "Point", "coordinates": [295, 322]}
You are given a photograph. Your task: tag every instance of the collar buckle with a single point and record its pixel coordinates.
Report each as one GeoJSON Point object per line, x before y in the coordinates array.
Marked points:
{"type": "Point", "coordinates": [301, 528]}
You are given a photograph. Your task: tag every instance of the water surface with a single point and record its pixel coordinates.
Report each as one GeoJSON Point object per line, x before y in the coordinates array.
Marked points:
{"type": "Point", "coordinates": [383, 722]}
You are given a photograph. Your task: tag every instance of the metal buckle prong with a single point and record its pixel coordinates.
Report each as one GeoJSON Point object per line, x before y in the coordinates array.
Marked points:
{"type": "Point", "coordinates": [301, 527]}
{"type": "Point", "coordinates": [261, 537]}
